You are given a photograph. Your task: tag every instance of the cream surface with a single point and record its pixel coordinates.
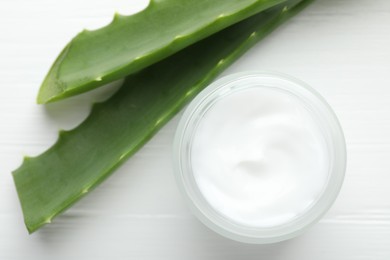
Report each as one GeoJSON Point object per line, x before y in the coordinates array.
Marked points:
{"type": "Point", "coordinates": [259, 157]}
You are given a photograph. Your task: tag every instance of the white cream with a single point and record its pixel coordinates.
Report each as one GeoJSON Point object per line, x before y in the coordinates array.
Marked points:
{"type": "Point", "coordinates": [259, 157]}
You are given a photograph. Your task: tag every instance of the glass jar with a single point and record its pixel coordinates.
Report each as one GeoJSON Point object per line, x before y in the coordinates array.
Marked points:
{"type": "Point", "coordinates": [221, 223]}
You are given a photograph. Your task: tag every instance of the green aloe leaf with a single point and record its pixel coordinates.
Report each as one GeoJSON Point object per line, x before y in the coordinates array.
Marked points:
{"type": "Point", "coordinates": [131, 43]}
{"type": "Point", "coordinates": [117, 128]}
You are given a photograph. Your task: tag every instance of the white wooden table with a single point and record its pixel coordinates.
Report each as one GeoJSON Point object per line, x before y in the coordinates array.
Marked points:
{"type": "Point", "coordinates": [340, 47]}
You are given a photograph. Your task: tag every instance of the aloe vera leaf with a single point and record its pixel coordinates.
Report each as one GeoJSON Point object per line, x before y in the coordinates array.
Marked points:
{"type": "Point", "coordinates": [117, 128]}
{"type": "Point", "coordinates": [131, 43]}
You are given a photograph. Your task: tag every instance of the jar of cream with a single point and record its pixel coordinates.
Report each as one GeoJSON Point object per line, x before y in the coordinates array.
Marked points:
{"type": "Point", "coordinates": [259, 157]}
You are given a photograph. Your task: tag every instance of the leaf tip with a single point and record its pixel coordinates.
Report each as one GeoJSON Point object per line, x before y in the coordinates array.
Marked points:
{"type": "Point", "coordinates": [30, 229]}
{"type": "Point", "coordinates": [53, 87]}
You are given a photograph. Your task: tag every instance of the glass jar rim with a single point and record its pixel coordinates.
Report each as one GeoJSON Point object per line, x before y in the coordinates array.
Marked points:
{"type": "Point", "coordinates": [188, 186]}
